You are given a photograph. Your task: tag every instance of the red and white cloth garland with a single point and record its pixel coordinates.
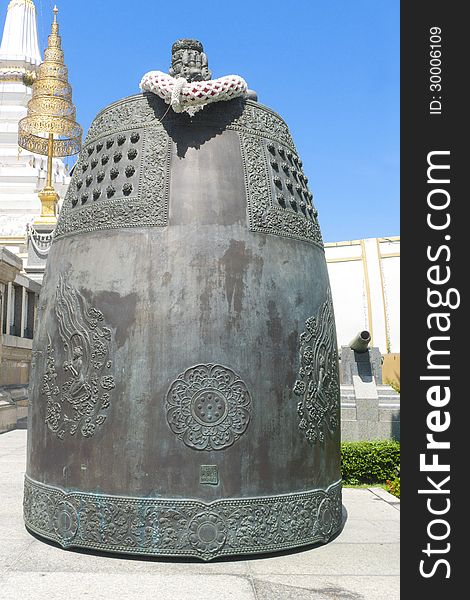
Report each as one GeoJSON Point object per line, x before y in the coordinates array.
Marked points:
{"type": "Point", "coordinates": [186, 96]}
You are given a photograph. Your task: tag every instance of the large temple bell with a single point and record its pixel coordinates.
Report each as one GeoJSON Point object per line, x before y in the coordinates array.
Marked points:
{"type": "Point", "coordinates": [185, 391]}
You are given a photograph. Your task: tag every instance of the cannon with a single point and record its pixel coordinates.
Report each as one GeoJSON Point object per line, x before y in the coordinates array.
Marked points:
{"type": "Point", "coordinates": [360, 343]}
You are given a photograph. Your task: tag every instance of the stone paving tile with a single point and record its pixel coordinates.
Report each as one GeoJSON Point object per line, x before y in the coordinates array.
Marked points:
{"type": "Point", "coordinates": [276, 587]}
{"type": "Point", "coordinates": [10, 551]}
{"type": "Point", "coordinates": [11, 504]}
{"type": "Point", "coordinates": [12, 527]}
{"type": "Point", "coordinates": [10, 474]}
{"type": "Point", "coordinates": [384, 495]}
{"type": "Point", "coordinates": [367, 505]}
{"type": "Point", "coordinates": [363, 531]}
{"type": "Point", "coordinates": [13, 439]}
{"type": "Point", "coordinates": [44, 557]}
{"type": "Point", "coordinates": [18, 460]}
{"type": "Point", "coordinates": [11, 457]}
{"type": "Point", "coordinates": [11, 484]}
{"type": "Point", "coordinates": [13, 445]}
{"type": "Point", "coordinates": [17, 455]}
{"type": "Point", "coordinates": [333, 559]}
{"type": "Point", "coordinates": [102, 586]}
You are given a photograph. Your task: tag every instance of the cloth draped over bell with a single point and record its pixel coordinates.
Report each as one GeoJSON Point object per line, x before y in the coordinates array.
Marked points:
{"type": "Point", "coordinates": [192, 96]}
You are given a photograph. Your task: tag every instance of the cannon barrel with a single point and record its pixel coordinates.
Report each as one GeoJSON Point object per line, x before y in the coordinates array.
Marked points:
{"type": "Point", "coordinates": [360, 342]}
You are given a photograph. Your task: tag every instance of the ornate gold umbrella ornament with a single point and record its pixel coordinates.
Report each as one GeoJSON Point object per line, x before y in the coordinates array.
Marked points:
{"type": "Point", "coordinates": [50, 127]}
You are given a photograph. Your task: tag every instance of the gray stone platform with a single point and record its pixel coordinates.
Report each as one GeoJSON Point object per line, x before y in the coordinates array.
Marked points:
{"type": "Point", "coordinates": [370, 418]}
{"type": "Point", "coordinates": [362, 563]}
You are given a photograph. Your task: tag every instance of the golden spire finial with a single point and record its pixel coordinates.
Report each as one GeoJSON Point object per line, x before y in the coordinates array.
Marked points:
{"type": "Point", "coordinates": [55, 26]}
{"type": "Point", "coordinates": [50, 127]}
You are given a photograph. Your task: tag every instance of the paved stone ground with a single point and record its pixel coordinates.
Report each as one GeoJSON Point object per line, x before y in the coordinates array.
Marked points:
{"type": "Point", "coordinates": [362, 563]}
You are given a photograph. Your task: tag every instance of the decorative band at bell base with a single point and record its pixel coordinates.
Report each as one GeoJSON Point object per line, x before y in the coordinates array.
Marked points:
{"type": "Point", "coordinates": [174, 527]}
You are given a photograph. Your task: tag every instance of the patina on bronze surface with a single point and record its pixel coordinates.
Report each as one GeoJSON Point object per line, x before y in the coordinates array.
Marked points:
{"type": "Point", "coordinates": [184, 396]}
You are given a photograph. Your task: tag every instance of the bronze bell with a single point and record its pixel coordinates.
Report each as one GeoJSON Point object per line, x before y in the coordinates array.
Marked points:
{"type": "Point", "coordinates": [185, 396]}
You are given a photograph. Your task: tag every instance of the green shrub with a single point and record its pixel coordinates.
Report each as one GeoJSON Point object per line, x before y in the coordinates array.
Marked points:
{"type": "Point", "coordinates": [370, 462]}
{"type": "Point", "coordinates": [393, 486]}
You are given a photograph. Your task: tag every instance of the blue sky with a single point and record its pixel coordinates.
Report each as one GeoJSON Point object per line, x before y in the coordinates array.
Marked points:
{"type": "Point", "coordinates": [329, 68]}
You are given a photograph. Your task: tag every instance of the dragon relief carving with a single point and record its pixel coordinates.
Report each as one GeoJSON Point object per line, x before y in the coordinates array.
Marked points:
{"type": "Point", "coordinates": [318, 380]}
{"type": "Point", "coordinates": [80, 403]}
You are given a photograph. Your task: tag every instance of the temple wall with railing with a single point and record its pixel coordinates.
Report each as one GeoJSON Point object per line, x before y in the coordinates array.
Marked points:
{"type": "Point", "coordinates": [18, 305]}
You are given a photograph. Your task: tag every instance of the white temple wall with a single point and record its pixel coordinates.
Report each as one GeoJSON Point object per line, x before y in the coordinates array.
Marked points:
{"type": "Point", "coordinates": [365, 285]}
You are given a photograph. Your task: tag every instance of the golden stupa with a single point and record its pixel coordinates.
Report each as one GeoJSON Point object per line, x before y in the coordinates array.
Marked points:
{"type": "Point", "coordinates": [50, 127]}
